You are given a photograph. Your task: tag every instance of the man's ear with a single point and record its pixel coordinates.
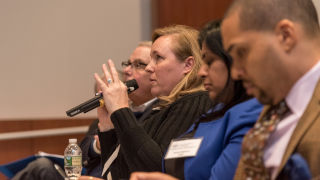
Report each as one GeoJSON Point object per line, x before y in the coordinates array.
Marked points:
{"type": "Point", "coordinates": [188, 64]}
{"type": "Point", "coordinates": [286, 34]}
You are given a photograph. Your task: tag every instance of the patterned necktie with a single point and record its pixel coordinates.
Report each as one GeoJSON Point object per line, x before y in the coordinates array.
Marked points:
{"type": "Point", "coordinates": [256, 139]}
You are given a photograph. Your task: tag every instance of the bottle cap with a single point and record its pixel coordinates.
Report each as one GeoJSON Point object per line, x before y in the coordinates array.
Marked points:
{"type": "Point", "coordinates": [73, 141]}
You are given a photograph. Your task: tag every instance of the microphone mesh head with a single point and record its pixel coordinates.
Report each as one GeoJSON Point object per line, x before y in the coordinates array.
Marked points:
{"type": "Point", "coordinates": [132, 85]}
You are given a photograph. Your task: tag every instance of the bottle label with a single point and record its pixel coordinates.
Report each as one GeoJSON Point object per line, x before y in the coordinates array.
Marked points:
{"type": "Point", "coordinates": [73, 161]}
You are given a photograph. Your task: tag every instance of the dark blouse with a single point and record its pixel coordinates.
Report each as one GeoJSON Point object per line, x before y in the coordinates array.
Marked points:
{"type": "Point", "coordinates": [142, 146]}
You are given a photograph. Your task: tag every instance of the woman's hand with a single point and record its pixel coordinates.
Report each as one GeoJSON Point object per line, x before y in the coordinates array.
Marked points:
{"type": "Point", "coordinates": [151, 176]}
{"type": "Point", "coordinates": [115, 94]}
{"type": "Point", "coordinates": [114, 91]}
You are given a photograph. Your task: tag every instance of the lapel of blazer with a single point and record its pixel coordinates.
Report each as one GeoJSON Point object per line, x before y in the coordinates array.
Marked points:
{"type": "Point", "coordinates": [306, 120]}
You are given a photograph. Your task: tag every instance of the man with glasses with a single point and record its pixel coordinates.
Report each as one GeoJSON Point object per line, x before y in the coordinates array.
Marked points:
{"type": "Point", "coordinates": [141, 102]}
{"type": "Point", "coordinates": [134, 68]}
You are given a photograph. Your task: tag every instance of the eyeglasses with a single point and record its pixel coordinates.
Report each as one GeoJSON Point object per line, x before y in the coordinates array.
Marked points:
{"type": "Point", "coordinates": [134, 65]}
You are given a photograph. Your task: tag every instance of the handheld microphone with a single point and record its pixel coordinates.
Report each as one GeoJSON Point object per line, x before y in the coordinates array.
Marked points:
{"type": "Point", "coordinates": [97, 101]}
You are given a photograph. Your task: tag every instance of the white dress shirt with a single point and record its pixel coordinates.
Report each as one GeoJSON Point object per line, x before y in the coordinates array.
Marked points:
{"type": "Point", "coordinates": [297, 101]}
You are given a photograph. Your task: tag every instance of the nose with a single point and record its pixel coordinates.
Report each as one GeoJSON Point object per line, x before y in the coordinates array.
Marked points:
{"type": "Point", "coordinates": [150, 67]}
{"type": "Point", "coordinates": [236, 72]}
{"type": "Point", "coordinates": [127, 71]}
{"type": "Point", "coordinates": [203, 72]}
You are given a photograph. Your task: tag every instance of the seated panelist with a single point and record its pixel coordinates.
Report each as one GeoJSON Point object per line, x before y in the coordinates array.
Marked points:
{"type": "Point", "coordinates": [175, 63]}
{"type": "Point", "coordinates": [220, 131]}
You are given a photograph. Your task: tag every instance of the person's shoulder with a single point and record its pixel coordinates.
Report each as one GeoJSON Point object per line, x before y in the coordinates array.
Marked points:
{"type": "Point", "coordinates": [242, 116]}
{"type": "Point", "coordinates": [247, 111]}
{"type": "Point", "coordinates": [195, 95]}
{"type": "Point", "coordinates": [247, 106]}
{"type": "Point", "coordinates": [189, 100]}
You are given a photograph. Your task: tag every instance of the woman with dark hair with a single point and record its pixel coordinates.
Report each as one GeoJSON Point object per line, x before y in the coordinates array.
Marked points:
{"type": "Point", "coordinates": [221, 128]}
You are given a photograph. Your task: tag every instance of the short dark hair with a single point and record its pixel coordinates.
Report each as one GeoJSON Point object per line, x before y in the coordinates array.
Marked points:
{"type": "Point", "coordinates": [265, 14]}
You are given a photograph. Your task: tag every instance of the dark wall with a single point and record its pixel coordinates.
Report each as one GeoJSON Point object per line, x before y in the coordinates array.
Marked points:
{"type": "Point", "coordinates": [188, 12]}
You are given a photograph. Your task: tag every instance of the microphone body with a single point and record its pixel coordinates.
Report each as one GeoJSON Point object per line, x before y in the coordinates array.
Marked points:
{"type": "Point", "coordinates": [97, 101]}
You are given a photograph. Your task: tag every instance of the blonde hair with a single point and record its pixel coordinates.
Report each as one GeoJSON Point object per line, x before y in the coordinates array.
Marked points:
{"type": "Point", "coordinates": [145, 44]}
{"type": "Point", "coordinates": [185, 44]}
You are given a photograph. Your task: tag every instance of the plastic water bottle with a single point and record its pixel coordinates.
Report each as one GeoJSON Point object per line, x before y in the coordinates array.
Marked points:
{"type": "Point", "coordinates": [73, 160]}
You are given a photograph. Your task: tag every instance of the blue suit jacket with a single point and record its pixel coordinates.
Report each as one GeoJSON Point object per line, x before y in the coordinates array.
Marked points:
{"type": "Point", "coordinates": [220, 149]}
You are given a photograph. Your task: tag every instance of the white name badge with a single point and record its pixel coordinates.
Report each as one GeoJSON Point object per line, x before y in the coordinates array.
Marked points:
{"type": "Point", "coordinates": [180, 148]}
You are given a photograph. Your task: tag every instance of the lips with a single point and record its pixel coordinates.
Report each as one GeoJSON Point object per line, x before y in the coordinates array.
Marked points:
{"type": "Point", "coordinates": [153, 81]}
{"type": "Point", "coordinates": [246, 85]}
{"type": "Point", "coordinates": [207, 86]}
{"type": "Point", "coordinates": [249, 87]}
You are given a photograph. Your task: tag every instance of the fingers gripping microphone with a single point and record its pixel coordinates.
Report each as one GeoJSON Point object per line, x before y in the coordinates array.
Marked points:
{"type": "Point", "coordinates": [97, 101]}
